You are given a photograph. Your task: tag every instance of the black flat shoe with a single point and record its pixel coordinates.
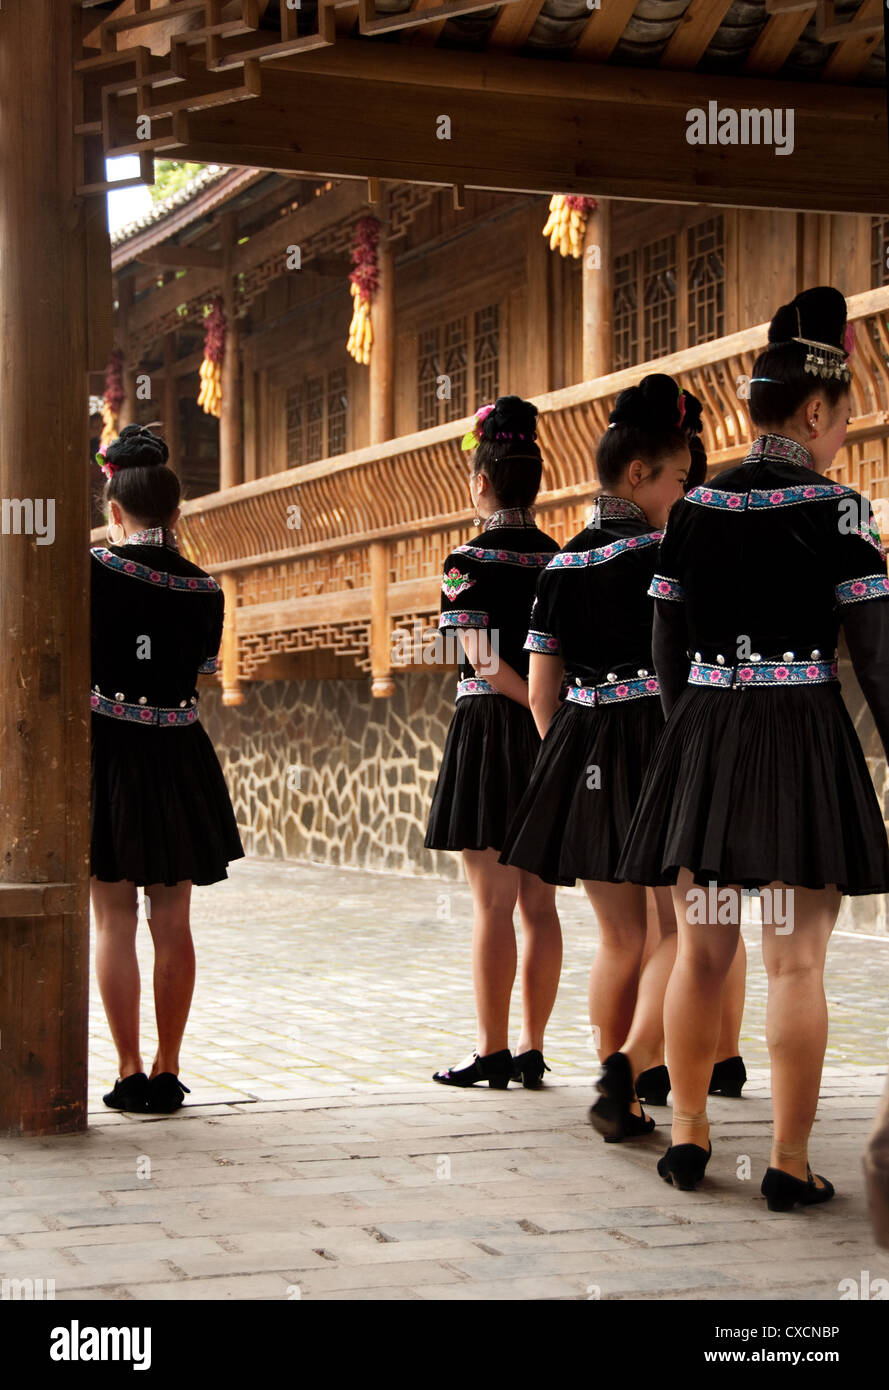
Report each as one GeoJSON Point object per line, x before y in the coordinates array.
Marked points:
{"type": "Point", "coordinates": [528, 1067]}
{"type": "Point", "coordinates": [611, 1115]}
{"type": "Point", "coordinates": [728, 1077]}
{"type": "Point", "coordinates": [683, 1165]}
{"type": "Point", "coordinates": [497, 1068]}
{"type": "Point", "coordinates": [165, 1093]}
{"type": "Point", "coordinates": [781, 1190]}
{"type": "Point", "coordinates": [653, 1085]}
{"type": "Point", "coordinates": [129, 1094]}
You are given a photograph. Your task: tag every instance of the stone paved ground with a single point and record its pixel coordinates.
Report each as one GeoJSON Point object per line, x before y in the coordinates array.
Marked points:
{"type": "Point", "coordinates": [330, 996]}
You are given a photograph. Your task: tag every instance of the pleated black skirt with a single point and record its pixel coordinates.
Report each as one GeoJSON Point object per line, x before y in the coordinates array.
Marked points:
{"type": "Point", "coordinates": [574, 817]}
{"type": "Point", "coordinates": [160, 810]}
{"type": "Point", "coordinates": [488, 756]}
{"type": "Point", "coordinates": [760, 786]}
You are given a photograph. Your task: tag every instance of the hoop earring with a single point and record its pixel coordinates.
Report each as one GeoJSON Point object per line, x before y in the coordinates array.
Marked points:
{"type": "Point", "coordinates": [109, 528]}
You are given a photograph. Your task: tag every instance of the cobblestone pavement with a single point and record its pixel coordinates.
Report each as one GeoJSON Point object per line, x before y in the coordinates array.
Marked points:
{"type": "Point", "coordinates": [332, 995]}
{"type": "Point", "coordinates": [311, 978]}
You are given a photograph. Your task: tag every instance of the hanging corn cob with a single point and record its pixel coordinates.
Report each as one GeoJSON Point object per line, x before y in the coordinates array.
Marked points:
{"type": "Point", "coordinates": [210, 396]}
{"type": "Point", "coordinates": [114, 397]}
{"type": "Point", "coordinates": [566, 224]}
{"type": "Point", "coordinates": [364, 279]}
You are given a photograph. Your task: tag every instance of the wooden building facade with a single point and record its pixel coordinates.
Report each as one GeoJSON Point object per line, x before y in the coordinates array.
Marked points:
{"type": "Point", "coordinates": [333, 702]}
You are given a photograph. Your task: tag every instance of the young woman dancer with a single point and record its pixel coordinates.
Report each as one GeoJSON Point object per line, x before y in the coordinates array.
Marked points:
{"type": "Point", "coordinates": [729, 1073]}
{"type": "Point", "coordinates": [161, 817]}
{"type": "Point", "coordinates": [591, 622]}
{"type": "Point", "coordinates": [488, 588]}
{"type": "Point", "coordinates": [759, 779]}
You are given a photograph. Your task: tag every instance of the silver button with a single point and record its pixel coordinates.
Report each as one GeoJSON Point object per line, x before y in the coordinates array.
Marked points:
{"type": "Point", "coordinates": [119, 695]}
{"type": "Point", "coordinates": [182, 704]}
{"type": "Point", "coordinates": [577, 680]}
{"type": "Point", "coordinates": [697, 656]}
{"type": "Point", "coordinates": [194, 699]}
{"type": "Point", "coordinates": [143, 699]}
{"type": "Point", "coordinates": [788, 656]}
{"type": "Point", "coordinates": [815, 654]}
{"type": "Point", "coordinates": [720, 661]}
{"type": "Point", "coordinates": [755, 656]}
{"type": "Point", "coordinates": [611, 676]}
{"type": "Point", "coordinates": [641, 672]}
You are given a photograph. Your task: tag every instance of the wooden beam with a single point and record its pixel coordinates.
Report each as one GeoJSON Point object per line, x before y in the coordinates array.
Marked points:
{"type": "Point", "coordinates": [514, 23]}
{"type": "Point", "coordinates": [777, 40]}
{"type": "Point", "coordinates": [692, 36]}
{"type": "Point", "coordinates": [181, 257]}
{"type": "Point", "coordinates": [603, 30]}
{"type": "Point", "coordinates": [524, 126]}
{"type": "Point", "coordinates": [382, 352]}
{"type": "Point", "coordinates": [853, 51]}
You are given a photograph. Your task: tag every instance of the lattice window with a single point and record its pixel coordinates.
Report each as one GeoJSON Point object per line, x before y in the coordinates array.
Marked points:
{"type": "Point", "coordinates": [879, 271]}
{"type": "Point", "coordinates": [659, 297]}
{"type": "Point", "coordinates": [625, 310]}
{"type": "Point", "coordinates": [337, 402]}
{"type": "Point", "coordinates": [487, 353]}
{"type": "Point", "coordinates": [295, 434]}
{"type": "Point", "coordinates": [314, 418]}
{"type": "Point", "coordinates": [455, 365]}
{"type": "Point", "coordinates": [427, 372]}
{"type": "Point", "coordinates": [466, 351]}
{"type": "Point", "coordinates": [706, 281]}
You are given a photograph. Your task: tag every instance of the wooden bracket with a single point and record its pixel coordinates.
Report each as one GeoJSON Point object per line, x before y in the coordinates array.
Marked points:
{"type": "Point", "coordinates": [37, 899]}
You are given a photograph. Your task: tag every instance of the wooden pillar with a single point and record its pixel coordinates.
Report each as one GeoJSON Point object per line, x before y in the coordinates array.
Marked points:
{"type": "Point", "coordinates": [536, 327]}
{"type": "Point", "coordinates": [232, 691]}
{"type": "Point", "coordinates": [44, 676]}
{"type": "Point", "coordinates": [128, 412]}
{"type": "Point", "coordinates": [597, 294]}
{"type": "Point", "coordinates": [382, 683]}
{"type": "Point", "coordinates": [248, 375]}
{"type": "Point", "coordinates": [231, 459]}
{"type": "Point", "coordinates": [382, 353]}
{"type": "Point", "coordinates": [170, 405]}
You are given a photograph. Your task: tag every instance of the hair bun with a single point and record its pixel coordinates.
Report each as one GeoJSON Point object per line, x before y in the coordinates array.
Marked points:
{"type": "Point", "coordinates": [511, 419]}
{"type": "Point", "coordinates": [652, 405]}
{"type": "Point", "coordinates": [137, 447]}
{"type": "Point", "coordinates": [818, 314]}
{"type": "Point", "coordinates": [693, 420]}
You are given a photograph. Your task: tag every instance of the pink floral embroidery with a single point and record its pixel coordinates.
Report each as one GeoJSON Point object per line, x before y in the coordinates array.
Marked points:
{"type": "Point", "coordinates": [714, 676]}
{"type": "Point", "coordinates": [812, 672]}
{"type": "Point", "coordinates": [859, 588]}
{"type": "Point", "coordinates": [621, 691]}
{"type": "Point", "coordinates": [146, 716]}
{"type": "Point", "coordinates": [745, 674]}
{"type": "Point", "coordinates": [651, 685]}
{"type": "Point", "coordinates": [777, 497]}
{"type": "Point", "coordinates": [155, 576]}
{"type": "Point", "coordinates": [707, 496]}
{"type": "Point", "coordinates": [118, 709]}
{"type": "Point", "coordinates": [781, 673]}
{"type": "Point", "coordinates": [130, 567]}
{"type": "Point", "coordinates": [735, 500]}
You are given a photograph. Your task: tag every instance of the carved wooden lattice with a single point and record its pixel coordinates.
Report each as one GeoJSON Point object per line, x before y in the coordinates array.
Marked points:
{"type": "Point", "coordinates": [343, 639]}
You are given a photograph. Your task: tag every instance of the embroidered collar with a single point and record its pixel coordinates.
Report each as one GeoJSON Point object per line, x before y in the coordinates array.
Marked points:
{"type": "Point", "coordinates": [510, 516]}
{"type": "Point", "coordinates": [607, 508]}
{"type": "Point", "coordinates": [779, 446]}
{"type": "Point", "coordinates": [153, 535]}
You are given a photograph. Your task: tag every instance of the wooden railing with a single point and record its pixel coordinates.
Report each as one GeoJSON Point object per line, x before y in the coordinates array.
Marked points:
{"type": "Point", "coordinates": [314, 553]}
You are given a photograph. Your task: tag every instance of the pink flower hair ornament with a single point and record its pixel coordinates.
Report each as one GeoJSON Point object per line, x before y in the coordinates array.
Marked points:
{"type": "Point", "coordinates": [107, 468]}
{"type": "Point", "coordinates": [473, 436]}
{"type": "Point", "coordinates": [681, 404]}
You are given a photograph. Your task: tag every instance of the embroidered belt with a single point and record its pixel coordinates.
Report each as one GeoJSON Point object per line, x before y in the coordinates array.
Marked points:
{"type": "Point", "coordinates": [476, 686]}
{"type": "Point", "coordinates": [613, 692]}
{"type": "Point", "coordinates": [774, 673]}
{"type": "Point", "coordinates": [143, 714]}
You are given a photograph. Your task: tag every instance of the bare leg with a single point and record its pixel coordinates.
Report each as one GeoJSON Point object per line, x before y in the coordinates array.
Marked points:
{"type": "Point", "coordinates": [168, 920]}
{"type": "Point", "coordinates": [495, 888]}
{"type": "Point", "coordinates": [796, 1020]}
{"type": "Point", "coordinates": [541, 957]}
{"type": "Point", "coordinates": [115, 912]}
{"type": "Point", "coordinates": [645, 1041]}
{"type": "Point", "coordinates": [733, 995]}
{"type": "Point", "coordinates": [614, 977]}
{"type": "Point", "coordinates": [693, 1004]}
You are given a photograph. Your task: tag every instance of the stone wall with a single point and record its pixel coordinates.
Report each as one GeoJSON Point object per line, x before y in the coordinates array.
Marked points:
{"type": "Point", "coordinates": [319, 770]}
